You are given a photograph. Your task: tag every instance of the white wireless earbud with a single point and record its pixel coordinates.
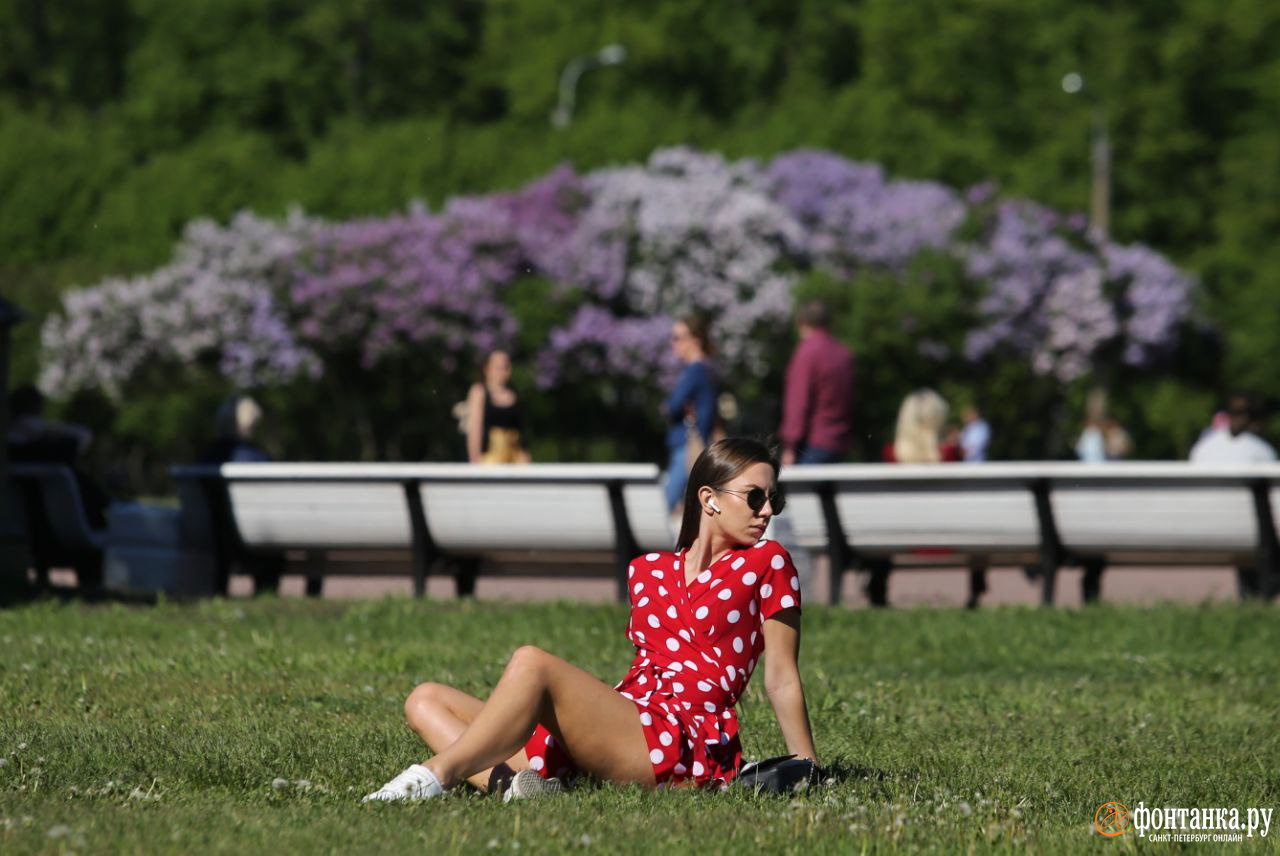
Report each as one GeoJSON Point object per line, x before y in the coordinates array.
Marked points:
{"type": "Point", "coordinates": [711, 503]}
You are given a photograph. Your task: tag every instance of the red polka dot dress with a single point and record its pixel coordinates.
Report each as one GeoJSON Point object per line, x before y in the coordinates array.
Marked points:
{"type": "Point", "coordinates": [696, 647]}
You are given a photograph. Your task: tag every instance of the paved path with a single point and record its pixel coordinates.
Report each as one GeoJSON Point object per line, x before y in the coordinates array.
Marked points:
{"type": "Point", "coordinates": [910, 588]}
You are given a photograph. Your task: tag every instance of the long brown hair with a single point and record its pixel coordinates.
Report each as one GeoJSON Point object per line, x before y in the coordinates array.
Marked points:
{"type": "Point", "coordinates": [699, 327]}
{"type": "Point", "coordinates": [719, 464]}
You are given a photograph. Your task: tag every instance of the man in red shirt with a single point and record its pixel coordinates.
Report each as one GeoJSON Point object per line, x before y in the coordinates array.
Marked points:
{"type": "Point", "coordinates": [817, 407]}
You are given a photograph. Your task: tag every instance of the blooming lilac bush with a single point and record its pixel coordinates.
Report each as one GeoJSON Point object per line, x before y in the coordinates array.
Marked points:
{"type": "Point", "coordinates": [629, 248]}
{"type": "Point", "coordinates": [855, 217]}
{"type": "Point", "coordinates": [217, 299]}
{"type": "Point", "coordinates": [697, 234]}
{"type": "Point", "coordinates": [407, 282]}
{"type": "Point", "coordinates": [1058, 299]}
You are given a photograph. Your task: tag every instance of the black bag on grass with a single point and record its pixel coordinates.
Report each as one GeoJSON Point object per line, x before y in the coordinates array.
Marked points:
{"type": "Point", "coordinates": [780, 775]}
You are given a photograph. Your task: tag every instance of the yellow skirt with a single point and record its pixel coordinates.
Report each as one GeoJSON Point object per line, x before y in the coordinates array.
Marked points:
{"type": "Point", "coordinates": [504, 447]}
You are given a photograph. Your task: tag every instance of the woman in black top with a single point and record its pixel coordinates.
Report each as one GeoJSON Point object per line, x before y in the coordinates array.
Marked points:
{"type": "Point", "coordinates": [495, 423]}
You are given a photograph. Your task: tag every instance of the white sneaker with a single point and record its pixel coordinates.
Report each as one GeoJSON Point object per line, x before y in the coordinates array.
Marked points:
{"type": "Point", "coordinates": [415, 783]}
{"type": "Point", "coordinates": [528, 785]}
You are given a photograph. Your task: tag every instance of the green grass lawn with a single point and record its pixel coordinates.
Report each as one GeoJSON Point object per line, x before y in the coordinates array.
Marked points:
{"type": "Point", "coordinates": [235, 726]}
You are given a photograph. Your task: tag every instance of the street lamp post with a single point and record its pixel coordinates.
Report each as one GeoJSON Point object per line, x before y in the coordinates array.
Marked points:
{"type": "Point", "coordinates": [607, 55]}
{"type": "Point", "coordinates": [1099, 160]}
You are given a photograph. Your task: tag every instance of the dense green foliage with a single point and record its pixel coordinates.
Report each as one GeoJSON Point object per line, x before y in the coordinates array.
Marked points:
{"type": "Point", "coordinates": [228, 727]}
{"type": "Point", "coordinates": [122, 120]}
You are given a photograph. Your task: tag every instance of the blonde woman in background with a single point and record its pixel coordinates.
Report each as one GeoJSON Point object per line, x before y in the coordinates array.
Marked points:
{"type": "Point", "coordinates": [918, 440]}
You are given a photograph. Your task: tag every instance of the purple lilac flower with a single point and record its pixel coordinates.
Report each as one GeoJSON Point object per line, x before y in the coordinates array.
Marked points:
{"type": "Point", "coordinates": [636, 246]}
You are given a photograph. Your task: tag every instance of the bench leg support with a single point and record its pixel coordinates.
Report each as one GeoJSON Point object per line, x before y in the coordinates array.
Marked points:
{"type": "Point", "coordinates": [977, 580]}
{"type": "Point", "coordinates": [1091, 582]}
{"type": "Point", "coordinates": [464, 577]}
{"type": "Point", "coordinates": [1048, 580]}
{"type": "Point", "coordinates": [1267, 578]}
{"type": "Point", "coordinates": [878, 584]}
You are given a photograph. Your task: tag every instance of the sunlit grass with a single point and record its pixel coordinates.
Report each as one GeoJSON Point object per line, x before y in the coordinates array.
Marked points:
{"type": "Point", "coordinates": [234, 726]}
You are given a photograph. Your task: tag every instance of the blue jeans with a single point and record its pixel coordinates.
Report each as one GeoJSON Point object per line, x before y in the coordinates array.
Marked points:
{"type": "Point", "coordinates": [815, 455]}
{"type": "Point", "coordinates": [677, 476]}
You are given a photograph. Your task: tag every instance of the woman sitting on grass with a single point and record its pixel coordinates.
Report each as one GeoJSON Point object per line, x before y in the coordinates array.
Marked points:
{"type": "Point", "coordinates": [700, 619]}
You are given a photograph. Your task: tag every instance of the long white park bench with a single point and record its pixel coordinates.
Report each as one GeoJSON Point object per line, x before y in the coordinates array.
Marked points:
{"type": "Point", "coordinates": [873, 517]}
{"type": "Point", "coordinates": [449, 516]}
{"type": "Point", "coordinates": [1041, 516]}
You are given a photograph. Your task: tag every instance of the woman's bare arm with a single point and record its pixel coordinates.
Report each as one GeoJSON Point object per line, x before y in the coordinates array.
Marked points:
{"type": "Point", "coordinates": [475, 422]}
{"type": "Point", "coordinates": [782, 682]}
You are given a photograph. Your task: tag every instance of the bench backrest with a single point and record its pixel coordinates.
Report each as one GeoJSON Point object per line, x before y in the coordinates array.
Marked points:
{"type": "Point", "coordinates": [466, 509]}
{"type": "Point", "coordinates": [647, 512]}
{"type": "Point", "coordinates": [322, 515]}
{"type": "Point", "coordinates": [880, 509]}
{"type": "Point", "coordinates": [1116, 508]}
{"type": "Point", "coordinates": [1115, 517]}
{"type": "Point", "coordinates": [470, 518]}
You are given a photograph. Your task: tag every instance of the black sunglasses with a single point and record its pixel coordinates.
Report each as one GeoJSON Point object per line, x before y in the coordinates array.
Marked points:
{"type": "Point", "coordinates": [756, 498]}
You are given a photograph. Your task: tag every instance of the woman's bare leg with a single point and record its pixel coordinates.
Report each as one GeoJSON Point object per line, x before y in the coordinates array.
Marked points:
{"type": "Point", "coordinates": [598, 726]}
{"type": "Point", "coordinates": [440, 714]}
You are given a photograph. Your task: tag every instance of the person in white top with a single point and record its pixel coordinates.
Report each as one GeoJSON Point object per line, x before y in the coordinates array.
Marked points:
{"type": "Point", "coordinates": [1234, 445]}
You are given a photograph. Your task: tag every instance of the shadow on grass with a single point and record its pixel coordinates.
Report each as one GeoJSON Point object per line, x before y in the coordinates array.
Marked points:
{"type": "Point", "coordinates": [842, 770]}
{"type": "Point", "coordinates": [20, 592]}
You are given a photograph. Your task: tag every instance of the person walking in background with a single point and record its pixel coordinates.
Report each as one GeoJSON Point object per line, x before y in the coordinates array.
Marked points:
{"type": "Point", "coordinates": [236, 422]}
{"type": "Point", "coordinates": [690, 409]}
{"type": "Point", "coordinates": [495, 422]}
{"type": "Point", "coordinates": [918, 440]}
{"type": "Point", "coordinates": [1236, 444]}
{"type": "Point", "coordinates": [817, 405]}
{"type": "Point", "coordinates": [975, 436]}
